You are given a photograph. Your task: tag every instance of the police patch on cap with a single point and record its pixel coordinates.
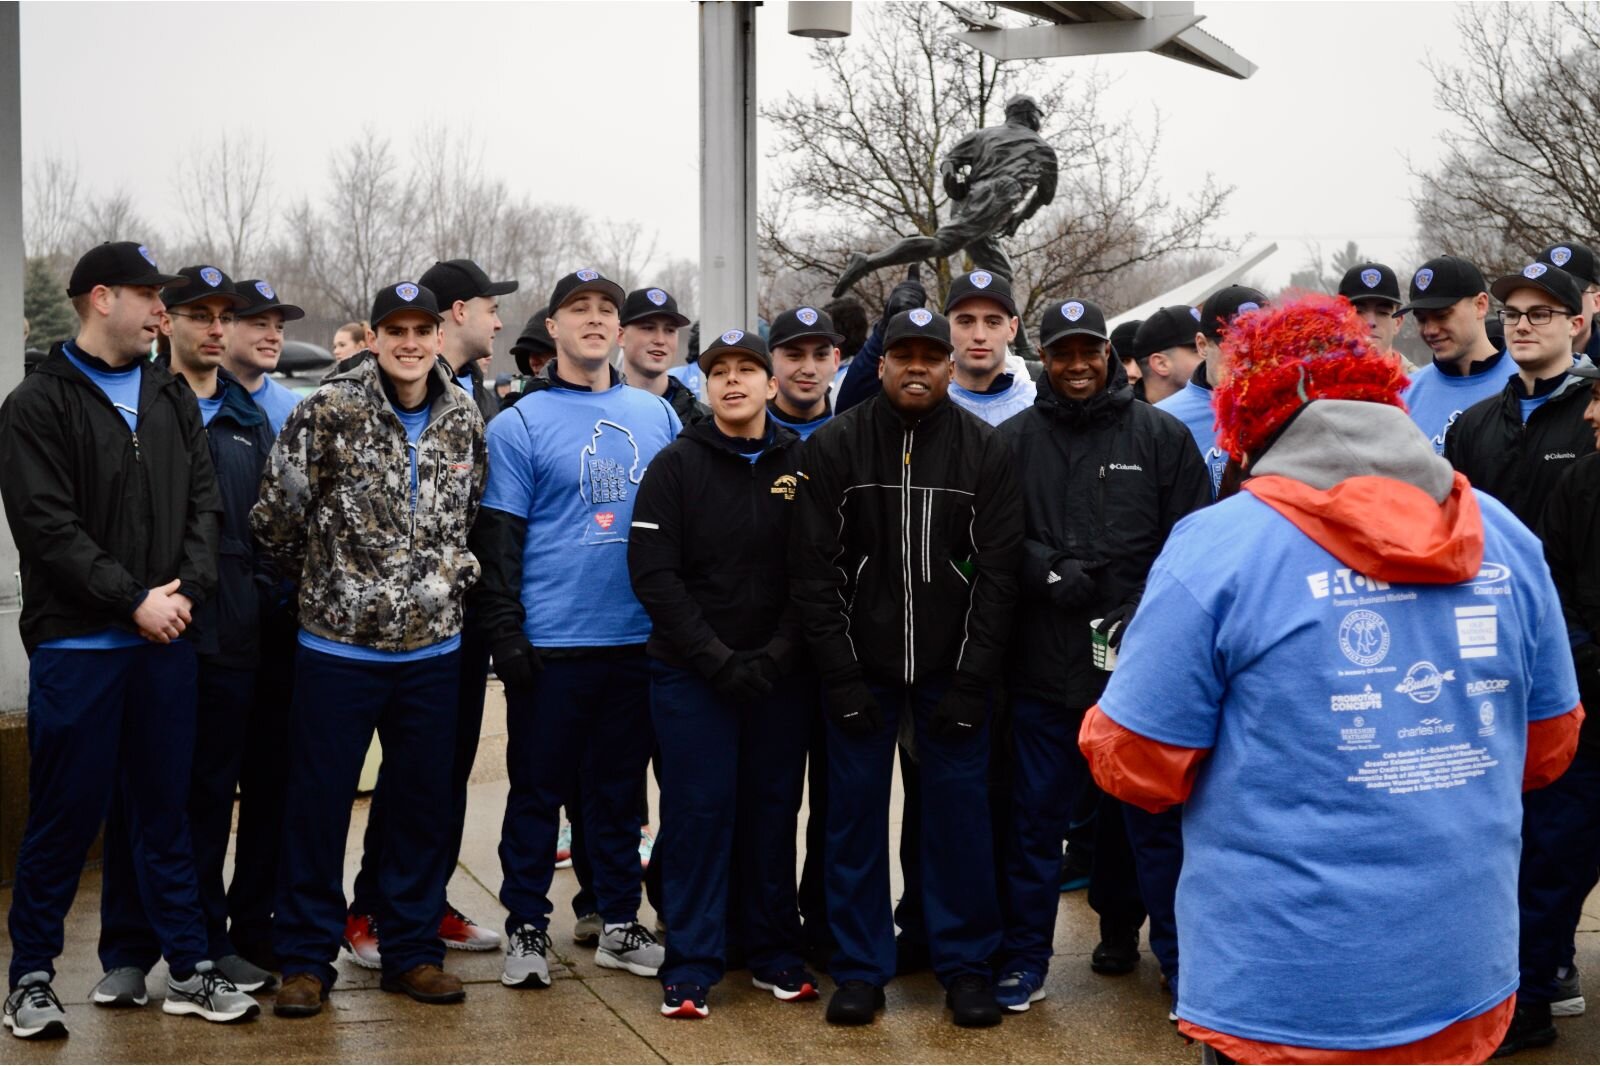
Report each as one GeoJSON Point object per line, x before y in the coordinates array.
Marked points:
{"type": "Point", "coordinates": [1533, 270]}
{"type": "Point", "coordinates": [211, 276]}
{"type": "Point", "coordinates": [406, 291]}
{"type": "Point", "coordinates": [1560, 254]}
{"type": "Point", "coordinates": [1248, 305]}
{"type": "Point", "coordinates": [587, 275]}
{"type": "Point", "coordinates": [921, 316]}
{"type": "Point", "coordinates": [807, 316]}
{"type": "Point", "coordinates": [148, 258]}
{"type": "Point", "coordinates": [1370, 278]}
{"type": "Point", "coordinates": [733, 336]}
{"type": "Point", "coordinates": [980, 279]}
{"type": "Point", "coordinates": [656, 296]}
{"type": "Point", "coordinates": [1072, 310]}
{"type": "Point", "coordinates": [266, 290]}
{"type": "Point", "coordinates": [1194, 313]}
{"type": "Point", "coordinates": [1423, 279]}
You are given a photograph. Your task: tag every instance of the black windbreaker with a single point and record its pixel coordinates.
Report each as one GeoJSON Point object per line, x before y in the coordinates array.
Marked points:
{"type": "Point", "coordinates": [1519, 464]}
{"type": "Point", "coordinates": [1570, 529]}
{"type": "Point", "coordinates": [903, 559]}
{"type": "Point", "coordinates": [707, 548]}
{"type": "Point", "coordinates": [100, 515]}
{"type": "Point", "coordinates": [1103, 480]}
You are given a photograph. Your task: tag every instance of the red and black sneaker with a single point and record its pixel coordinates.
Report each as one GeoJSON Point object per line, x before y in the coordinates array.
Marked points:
{"type": "Point", "coordinates": [791, 986]}
{"type": "Point", "coordinates": [460, 932]}
{"type": "Point", "coordinates": [684, 1001]}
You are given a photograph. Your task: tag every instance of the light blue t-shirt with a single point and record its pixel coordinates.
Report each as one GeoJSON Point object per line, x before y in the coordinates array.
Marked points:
{"type": "Point", "coordinates": [570, 463]}
{"type": "Point", "coordinates": [209, 406]}
{"type": "Point", "coordinates": [995, 407]}
{"type": "Point", "coordinates": [692, 377]}
{"type": "Point", "coordinates": [373, 655]}
{"type": "Point", "coordinates": [275, 402]}
{"type": "Point", "coordinates": [464, 379]}
{"type": "Point", "coordinates": [1351, 844]}
{"type": "Point", "coordinates": [1191, 405]}
{"type": "Point", "coordinates": [804, 429]}
{"type": "Point", "coordinates": [414, 422]}
{"type": "Point", "coordinates": [1436, 399]}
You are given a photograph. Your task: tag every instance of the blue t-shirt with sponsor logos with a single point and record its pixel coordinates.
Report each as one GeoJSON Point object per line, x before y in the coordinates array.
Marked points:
{"type": "Point", "coordinates": [1436, 399]}
{"type": "Point", "coordinates": [1365, 775]}
{"type": "Point", "coordinates": [569, 461]}
{"type": "Point", "coordinates": [1191, 405]}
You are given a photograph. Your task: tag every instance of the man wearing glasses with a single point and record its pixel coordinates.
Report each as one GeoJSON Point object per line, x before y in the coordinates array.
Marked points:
{"type": "Point", "coordinates": [1514, 445]}
{"type": "Point", "coordinates": [1450, 302]}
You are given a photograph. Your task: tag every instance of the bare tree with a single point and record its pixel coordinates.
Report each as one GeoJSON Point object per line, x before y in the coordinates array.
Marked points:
{"type": "Point", "coordinates": [113, 217]}
{"type": "Point", "coordinates": [226, 194]}
{"type": "Point", "coordinates": [51, 208]}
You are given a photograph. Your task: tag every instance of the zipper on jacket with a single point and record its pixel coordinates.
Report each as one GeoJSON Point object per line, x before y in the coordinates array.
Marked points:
{"type": "Point", "coordinates": [905, 556]}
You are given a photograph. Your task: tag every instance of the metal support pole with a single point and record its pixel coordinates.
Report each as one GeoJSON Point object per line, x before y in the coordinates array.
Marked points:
{"type": "Point", "coordinates": [727, 167]}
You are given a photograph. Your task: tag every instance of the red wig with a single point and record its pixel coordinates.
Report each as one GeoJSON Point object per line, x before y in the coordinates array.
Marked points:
{"type": "Point", "coordinates": [1280, 358]}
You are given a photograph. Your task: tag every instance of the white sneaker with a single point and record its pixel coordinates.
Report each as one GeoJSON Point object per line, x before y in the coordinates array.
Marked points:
{"type": "Point", "coordinates": [526, 964]}
{"type": "Point", "coordinates": [32, 1011]}
{"type": "Point", "coordinates": [631, 947]}
{"type": "Point", "coordinates": [121, 987]}
{"type": "Point", "coordinates": [210, 995]}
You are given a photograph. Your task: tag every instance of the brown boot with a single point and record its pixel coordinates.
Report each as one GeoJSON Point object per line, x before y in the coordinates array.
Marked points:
{"type": "Point", "coordinates": [426, 984]}
{"type": "Point", "coordinates": [300, 996]}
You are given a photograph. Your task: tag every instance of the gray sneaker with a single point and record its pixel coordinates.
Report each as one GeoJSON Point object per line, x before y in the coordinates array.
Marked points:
{"type": "Point", "coordinates": [121, 987]}
{"type": "Point", "coordinates": [209, 994]}
{"type": "Point", "coordinates": [633, 948]}
{"type": "Point", "coordinates": [1569, 1002]}
{"type": "Point", "coordinates": [588, 929]}
{"type": "Point", "coordinates": [526, 964]}
{"type": "Point", "coordinates": [32, 1010]}
{"type": "Point", "coordinates": [246, 975]}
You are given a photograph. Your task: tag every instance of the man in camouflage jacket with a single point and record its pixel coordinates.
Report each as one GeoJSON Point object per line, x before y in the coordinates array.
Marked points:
{"type": "Point", "coordinates": [367, 500]}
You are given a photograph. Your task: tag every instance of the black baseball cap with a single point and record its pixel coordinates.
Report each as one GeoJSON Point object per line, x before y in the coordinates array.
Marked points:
{"type": "Point", "coordinates": [1370, 281]}
{"type": "Point", "coordinates": [406, 296]}
{"type": "Point", "coordinates": [1226, 304]}
{"type": "Point", "coordinates": [802, 322]}
{"type": "Point", "coordinates": [980, 284]}
{"type": "Point", "coordinates": [1122, 338]}
{"type": "Point", "coordinates": [1069, 318]}
{"type": "Point", "coordinates": [1551, 280]}
{"type": "Point", "coordinates": [1444, 281]}
{"type": "Point", "coordinates": [585, 280]}
{"type": "Point", "coordinates": [461, 279]}
{"type": "Point", "coordinates": [918, 322]}
{"type": "Point", "coordinates": [1576, 259]}
{"type": "Point", "coordinates": [119, 263]}
{"type": "Point", "coordinates": [202, 283]}
{"type": "Point", "coordinates": [1170, 327]}
{"type": "Point", "coordinates": [652, 303]}
{"type": "Point", "coordinates": [532, 341]}
{"type": "Point", "coordinates": [736, 340]}
{"type": "Point", "coordinates": [262, 298]}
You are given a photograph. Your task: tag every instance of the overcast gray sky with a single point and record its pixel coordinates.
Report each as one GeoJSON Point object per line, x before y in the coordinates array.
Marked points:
{"type": "Point", "coordinates": [595, 104]}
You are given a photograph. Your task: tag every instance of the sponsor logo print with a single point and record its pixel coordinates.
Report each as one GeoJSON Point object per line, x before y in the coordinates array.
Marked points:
{"type": "Point", "coordinates": [807, 316]}
{"type": "Point", "coordinates": [1365, 700]}
{"type": "Point", "coordinates": [1342, 583]}
{"type": "Point", "coordinates": [1423, 279]}
{"type": "Point", "coordinates": [406, 291]}
{"type": "Point", "coordinates": [605, 519]}
{"type": "Point", "coordinates": [1477, 632]}
{"type": "Point", "coordinates": [784, 486]}
{"type": "Point", "coordinates": [211, 276]}
{"type": "Point", "coordinates": [1559, 455]}
{"type": "Point", "coordinates": [1491, 574]}
{"type": "Point", "coordinates": [1427, 727]}
{"type": "Point", "coordinates": [1364, 637]}
{"type": "Point", "coordinates": [656, 296]}
{"type": "Point", "coordinates": [1072, 310]}
{"type": "Point", "coordinates": [588, 275]}
{"type": "Point", "coordinates": [1370, 278]}
{"type": "Point", "coordinates": [1424, 681]}
{"type": "Point", "coordinates": [980, 278]}
{"type": "Point", "coordinates": [1127, 466]}
{"type": "Point", "coordinates": [921, 316]}
{"type": "Point", "coordinates": [1491, 687]}
{"type": "Point", "coordinates": [1486, 719]}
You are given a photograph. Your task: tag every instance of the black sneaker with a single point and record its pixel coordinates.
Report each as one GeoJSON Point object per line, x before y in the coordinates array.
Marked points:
{"type": "Point", "coordinates": [970, 998]}
{"type": "Point", "coordinates": [1530, 1027]}
{"type": "Point", "coordinates": [1116, 954]}
{"type": "Point", "coordinates": [855, 1003]}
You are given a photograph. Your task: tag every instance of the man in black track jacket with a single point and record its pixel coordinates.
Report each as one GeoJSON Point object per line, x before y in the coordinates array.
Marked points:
{"type": "Point", "coordinates": [903, 568]}
{"type": "Point", "coordinates": [1104, 480]}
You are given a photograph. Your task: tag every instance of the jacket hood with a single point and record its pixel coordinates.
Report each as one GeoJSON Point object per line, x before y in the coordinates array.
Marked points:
{"type": "Point", "coordinates": [1102, 407]}
{"type": "Point", "coordinates": [1362, 481]}
{"type": "Point", "coordinates": [706, 432]}
{"type": "Point", "coordinates": [443, 393]}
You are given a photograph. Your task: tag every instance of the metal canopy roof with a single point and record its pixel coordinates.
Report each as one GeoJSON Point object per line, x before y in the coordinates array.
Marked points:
{"type": "Point", "coordinates": [1101, 27]}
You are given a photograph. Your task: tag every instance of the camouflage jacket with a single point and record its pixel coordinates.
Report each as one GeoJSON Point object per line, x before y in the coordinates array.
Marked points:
{"type": "Point", "coordinates": [336, 509]}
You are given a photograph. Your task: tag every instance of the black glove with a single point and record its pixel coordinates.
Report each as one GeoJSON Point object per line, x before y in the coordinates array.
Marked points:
{"type": "Point", "coordinates": [740, 680]}
{"type": "Point", "coordinates": [854, 709]}
{"type": "Point", "coordinates": [764, 664]}
{"type": "Point", "coordinates": [516, 662]}
{"type": "Point", "coordinates": [962, 709]}
{"type": "Point", "coordinates": [1071, 582]}
{"type": "Point", "coordinates": [1114, 624]}
{"type": "Point", "coordinates": [906, 296]}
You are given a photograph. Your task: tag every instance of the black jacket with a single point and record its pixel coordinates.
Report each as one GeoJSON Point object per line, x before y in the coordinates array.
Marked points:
{"type": "Point", "coordinates": [482, 392]}
{"type": "Point", "coordinates": [903, 559]}
{"type": "Point", "coordinates": [227, 628]}
{"type": "Point", "coordinates": [707, 549]}
{"type": "Point", "coordinates": [1570, 529]}
{"type": "Point", "coordinates": [684, 403]}
{"type": "Point", "coordinates": [1103, 480]}
{"type": "Point", "coordinates": [101, 515]}
{"type": "Point", "coordinates": [1519, 464]}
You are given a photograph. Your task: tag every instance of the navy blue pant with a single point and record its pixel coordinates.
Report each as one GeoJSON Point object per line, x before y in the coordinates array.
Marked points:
{"type": "Point", "coordinates": [263, 780]}
{"type": "Point", "coordinates": [1157, 844]}
{"type": "Point", "coordinates": [338, 702]}
{"type": "Point", "coordinates": [1045, 775]}
{"type": "Point", "coordinates": [813, 896]}
{"type": "Point", "coordinates": [583, 902]}
{"type": "Point", "coordinates": [732, 778]}
{"type": "Point", "coordinates": [1113, 881]}
{"type": "Point", "coordinates": [1560, 863]}
{"type": "Point", "coordinates": [588, 716]}
{"type": "Point", "coordinates": [126, 936]}
{"type": "Point", "coordinates": [102, 723]}
{"type": "Point", "coordinates": [464, 752]}
{"type": "Point", "coordinates": [961, 912]}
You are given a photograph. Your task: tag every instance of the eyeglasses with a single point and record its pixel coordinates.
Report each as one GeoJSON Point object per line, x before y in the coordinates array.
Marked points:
{"type": "Point", "coordinates": [1539, 316]}
{"type": "Point", "coordinates": [226, 318]}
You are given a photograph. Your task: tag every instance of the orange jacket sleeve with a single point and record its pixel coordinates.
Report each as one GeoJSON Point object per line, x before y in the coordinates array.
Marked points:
{"type": "Point", "coordinates": [1135, 769]}
{"type": "Point", "coordinates": [1551, 744]}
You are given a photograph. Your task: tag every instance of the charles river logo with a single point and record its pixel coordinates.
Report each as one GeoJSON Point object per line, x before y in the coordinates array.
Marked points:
{"type": "Point", "coordinates": [211, 276]}
{"type": "Point", "coordinates": [656, 296]}
{"type": "Point", "coordinates": [406, 291]}
{"type": "Point", "coordinates": [1364, 637]}
{"type": "Point", "coordinates": [266, 290]}
{"type": "Point", "coordinates": [1370, 278]}
{"type": "Point", "coordinates": [921, 316]}
{"type": "Point", "coordinates": [980, 278]}
{"type": "Point", "coordinates": [1560, 254]}
{"type": "Point", "coordinates": [1423, 682]}
{"type": "Point", "coordinates": [1072, 310]}
{"type": "Point", "coordinates": [1533, 270]}
{"type": "Point", "coordinates": [807, 316]}
{"type": "Point", "coordinates": [1423, 279]}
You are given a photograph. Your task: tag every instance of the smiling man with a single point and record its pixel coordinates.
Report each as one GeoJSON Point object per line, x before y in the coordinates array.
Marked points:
{"type": "Point", "coordinates": [805, 358]}
{"type": "Point", "coordinates": [650, 324]}
{"type": "Point", "coordinates": [903, 570]}
{"type": "Point", "coordinates": [1450, 302]}
{"type": "Point", "coordinates": [256, 346]}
